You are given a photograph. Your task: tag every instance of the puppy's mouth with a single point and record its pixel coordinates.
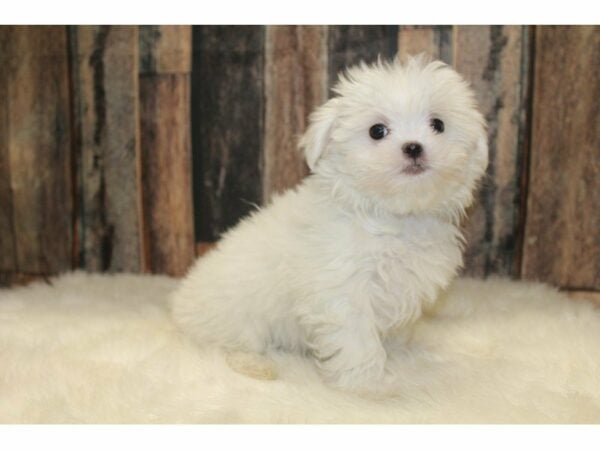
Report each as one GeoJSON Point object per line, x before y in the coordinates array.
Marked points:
{"type": "Point", "coordinates": [415, 168]}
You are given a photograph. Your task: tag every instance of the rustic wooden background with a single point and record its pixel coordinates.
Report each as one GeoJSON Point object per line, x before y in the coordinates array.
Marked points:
{"type": "Point", "coordinates": [131, 148]}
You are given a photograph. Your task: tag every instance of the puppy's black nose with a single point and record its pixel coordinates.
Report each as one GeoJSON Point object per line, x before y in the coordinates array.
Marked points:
{"type": "Point", "coordinates": [412, 149]}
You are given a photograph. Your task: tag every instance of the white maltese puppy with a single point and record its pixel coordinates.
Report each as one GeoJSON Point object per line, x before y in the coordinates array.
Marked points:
{"type": "Point", "coordinates": [340, 264]}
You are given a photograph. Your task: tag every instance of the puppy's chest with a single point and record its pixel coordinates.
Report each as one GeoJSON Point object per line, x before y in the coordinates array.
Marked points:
{"type": "Point", "coordinates": [406, 269]}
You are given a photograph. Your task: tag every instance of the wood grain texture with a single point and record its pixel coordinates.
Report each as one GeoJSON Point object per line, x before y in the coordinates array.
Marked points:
{"type": "Point", "coordinates": [562, 232]}
{"type": "Point", "coordinates": [166, 169]}
{"type": "Point", "coordinates": [165, 49]}
{"type": "Point", "coordinates": [295, 83]}
{"type": "Point", "coordinates": [495, 61]}
{"type": "Point", "coordinates": [350, 44]}
{"type": "Point", "coordinates": [433, 41]}
{"type": "Point", "coordinates": [35, 149]}
{"type": "Point", "coordinates": [105, 82]}
{"type": "Point", "coordinates": [227, 133]}
{"type": "Point", "coordinates": [8, 251]}
{"type": "Point", "coordinates": [252, 90]}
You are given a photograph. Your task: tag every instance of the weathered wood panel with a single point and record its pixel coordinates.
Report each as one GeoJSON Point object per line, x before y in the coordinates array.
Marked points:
{"type": "Point", "coordinates": [434, 41]}
{"type": "Point", "coordinates": [165, 49]}
{"type": "Point", "coordinates": [227, 133]}
{"type": "Point", "coordinates": [562, 233]}
{"type": "Point", "coordinates": [495, 60]}
{"type": "Point", "coordinates": [165, 65]}
{"type": "Point", "coordinates": [8, 256]}
{"type": "Point", "coordinates": [242, 76]}
{"type": "Point", "coordinates": [295, 83]}
{"type": "Point", "coordinates": [36, 149]}
{"type": "Point", "coordinates": [350, 44]}
{"type": "Point", "coordinates": [166, 169]}
{"type": "Point", "coordinates": [105, 81]}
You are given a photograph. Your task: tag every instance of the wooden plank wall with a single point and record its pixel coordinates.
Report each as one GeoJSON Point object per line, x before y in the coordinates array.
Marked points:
{"type": "Point", "coordinates": [106, 118]}
{"type": "Point", "coordinates": [81, 186]}
{"type": "Point", "coordinates": [296, 83]}
{"type": "Point", "coordinates": [495, 59]}
{"type": "Point", "coordinates": [350, 44]}
{"type": "Point", "coordinates": [35, 155]}
{"type": "Point", "coordinates": [143, 117]}
{"type": "Point", "coordinates": [166, 158]}
{"type": "Point", "coordinates": [227, 110]}
{"type": "Point", "coordinates": [562, 232]}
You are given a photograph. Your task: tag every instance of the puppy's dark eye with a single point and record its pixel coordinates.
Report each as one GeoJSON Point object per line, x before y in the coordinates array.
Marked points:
{"type": "Point", "coordinates": [437, 125]}
{"type": "Point", "coordinates": [378, 131]}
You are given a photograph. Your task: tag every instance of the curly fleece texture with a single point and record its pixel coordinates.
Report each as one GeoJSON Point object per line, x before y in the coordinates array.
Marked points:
{"type": "Point", "coordinates": [103, 349]}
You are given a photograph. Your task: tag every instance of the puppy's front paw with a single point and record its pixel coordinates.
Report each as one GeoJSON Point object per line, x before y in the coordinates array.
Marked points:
{"type": "Point", "coordinates": [352, 370]}
{"type": "Point", "coordinates": [364, 378]}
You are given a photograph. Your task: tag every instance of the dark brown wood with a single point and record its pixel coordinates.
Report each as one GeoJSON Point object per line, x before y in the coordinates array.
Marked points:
{"type": "Point", "coordinates": [8, 256]}
{"type": "Point", "coordinates": [295, 83]}
{"type": "Point", "coordinates": [433, 41]}
{"type": "Point", "coordinates": [165, 49]}
{"type": "Point", "coordinates": [105, 83]}
{"type": "Point", "coordinates": [525, 146]}
{"type": "Point", "coordinates": [227, 133]}
{"type": "Point", "coordinates": [166, 169]}
{"type": "Point", "coordinates": [350, 44]}
{"type": "Point", "coordinates": [494, 59]}
{"type": "Point", "coordinates": [562, 232]}
{"type": "Point", "coordinates": [35, 150]}
{"type": "Point", "coordinates": [165, 65]}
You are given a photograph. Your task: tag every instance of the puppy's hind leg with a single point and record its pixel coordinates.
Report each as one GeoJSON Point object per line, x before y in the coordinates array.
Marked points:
{"type": "Point", "coordinates": [251, 364]}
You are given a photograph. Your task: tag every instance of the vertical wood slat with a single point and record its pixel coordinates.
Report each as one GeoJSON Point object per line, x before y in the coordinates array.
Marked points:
{"type": "Point", "coordinates": [165, 49]}
{"type": "Point", "coordinates": [8, 256]}
{"type": "Point", "coordinates": [166, 168]}
{"type": "Point", "coordinates": [495, 61]}
{"type": "Point", "coordinates": [35, 150]}
{"type": "Point", "coordinates": [433, 41]}
{"type": "Point", "coordinates": [295, 83]}
{"type": "Point", "coordinates": [105, 74]}
{"type": "Point", "coordinates": [350, 44]}
{"type": "Point", "coordinates": [165, 63]}
{"type": "Point", "coordinates": [562, 232]}
{"type": "Point", "coordinates": [227, 107]}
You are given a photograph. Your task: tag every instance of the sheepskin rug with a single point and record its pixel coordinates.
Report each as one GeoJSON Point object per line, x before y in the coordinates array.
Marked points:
{"type": "Point", "coordinates": [102, 349]}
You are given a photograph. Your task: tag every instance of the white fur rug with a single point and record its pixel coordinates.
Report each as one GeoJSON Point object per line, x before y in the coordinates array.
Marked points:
{"type": "Point", "coordinates": [102, 349]}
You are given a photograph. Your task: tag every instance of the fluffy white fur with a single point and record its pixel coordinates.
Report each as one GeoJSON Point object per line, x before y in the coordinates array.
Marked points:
{"type": "Point", "coordinates": [103, 349]}
{"type": "Point", "coordinates": [340, 266]}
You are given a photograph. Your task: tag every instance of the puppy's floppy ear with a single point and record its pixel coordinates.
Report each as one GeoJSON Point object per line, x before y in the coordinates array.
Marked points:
{"type": "Point", "coordinates": [317, 135]}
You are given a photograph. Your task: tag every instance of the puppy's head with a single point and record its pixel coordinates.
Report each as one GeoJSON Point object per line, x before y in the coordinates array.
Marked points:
{"type": "Point", "coordinates": [406, 137]}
